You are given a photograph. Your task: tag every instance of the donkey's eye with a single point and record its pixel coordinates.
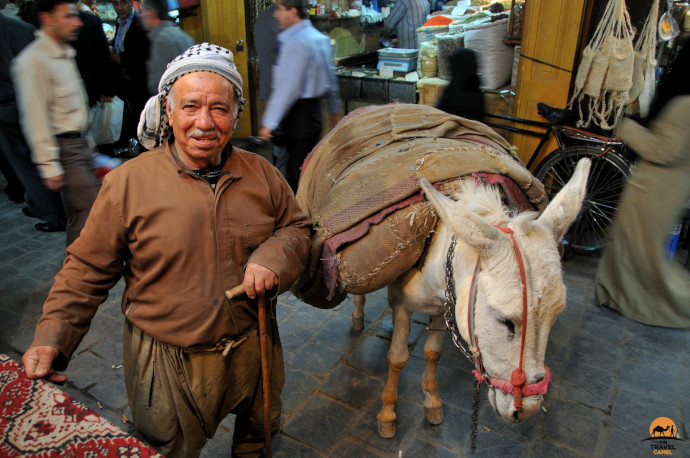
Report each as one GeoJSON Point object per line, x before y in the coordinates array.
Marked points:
{"type": "Point", "coordinates": [508, 324]}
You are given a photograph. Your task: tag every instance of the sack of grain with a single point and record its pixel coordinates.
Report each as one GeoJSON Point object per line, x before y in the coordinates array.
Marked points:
{"type": "Point", "coordinates": [495, 58]}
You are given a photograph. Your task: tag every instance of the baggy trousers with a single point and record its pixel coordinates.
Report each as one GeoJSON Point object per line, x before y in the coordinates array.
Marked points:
{"type": "Point", "coordinates": [81, 186]}
{"type": "Point", "coordinates": [45, 204]}
{"type": "Point", "coordinates": [178, 396]}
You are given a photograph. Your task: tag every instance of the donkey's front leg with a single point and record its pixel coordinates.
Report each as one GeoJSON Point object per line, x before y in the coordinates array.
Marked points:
{"type": "Point", "coordinates": [398, 354]}
{"type": "Point", "coordinates": [358, 312]}
{"type": "Point", "coordinates": [433, 348]}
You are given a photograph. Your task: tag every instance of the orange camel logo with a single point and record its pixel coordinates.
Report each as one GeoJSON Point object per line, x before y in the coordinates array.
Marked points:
{"type": "Point", "coordinates": [662, 427]}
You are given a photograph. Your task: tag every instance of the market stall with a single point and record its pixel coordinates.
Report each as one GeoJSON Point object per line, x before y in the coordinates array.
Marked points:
{"type": "Point", "coordinates": [420, 75]}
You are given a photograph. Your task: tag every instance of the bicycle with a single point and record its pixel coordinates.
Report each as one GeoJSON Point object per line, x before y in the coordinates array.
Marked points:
{"type": "Point", "coordinates": [610, 171]}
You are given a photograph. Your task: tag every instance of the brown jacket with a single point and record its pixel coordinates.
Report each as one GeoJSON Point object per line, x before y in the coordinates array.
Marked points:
{"type": "Point", "coordinates": [180, 246]}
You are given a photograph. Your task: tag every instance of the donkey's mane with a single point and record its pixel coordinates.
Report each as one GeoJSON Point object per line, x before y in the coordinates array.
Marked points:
{"type": "Point", "coordinates": [485, 200]}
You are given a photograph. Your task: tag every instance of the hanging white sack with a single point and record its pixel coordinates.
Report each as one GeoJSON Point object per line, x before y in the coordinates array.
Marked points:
{"type": "Point", "coordinates": [621, 57]}
{"type": "Point", "coordinates": [605, 73]}
{"type": "Point", "coordinates": [644, 70]}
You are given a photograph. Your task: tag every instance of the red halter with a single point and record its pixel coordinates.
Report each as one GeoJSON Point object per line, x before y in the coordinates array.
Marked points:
{"type": "Point", "coordinates": [516, 386]}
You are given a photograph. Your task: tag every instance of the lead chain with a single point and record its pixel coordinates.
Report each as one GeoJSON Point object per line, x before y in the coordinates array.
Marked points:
{"type": "Point", "coordinates": [451, 299]}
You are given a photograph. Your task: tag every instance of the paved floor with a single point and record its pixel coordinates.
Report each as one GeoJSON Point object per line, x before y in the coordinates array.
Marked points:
{"type": "Point", "coordinates": [612, 377]}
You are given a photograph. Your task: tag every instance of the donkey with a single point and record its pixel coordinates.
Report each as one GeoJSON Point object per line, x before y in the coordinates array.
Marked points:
{"type": "Point", "coordinates": [503, 294]}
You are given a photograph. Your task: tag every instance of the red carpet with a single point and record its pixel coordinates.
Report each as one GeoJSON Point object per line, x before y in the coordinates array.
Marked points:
{"type": "Point", "coordinates": [39, 420]}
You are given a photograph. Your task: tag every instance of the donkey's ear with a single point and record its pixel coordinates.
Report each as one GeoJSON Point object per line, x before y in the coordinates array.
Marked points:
{"type": "Point", "coordinates": [563, 209]}
{"type": "Point", "coordinates": [466, 225]}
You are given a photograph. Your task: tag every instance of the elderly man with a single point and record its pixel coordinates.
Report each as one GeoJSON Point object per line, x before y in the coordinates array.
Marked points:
{"type": "Point", "coordinates": [183, 223]}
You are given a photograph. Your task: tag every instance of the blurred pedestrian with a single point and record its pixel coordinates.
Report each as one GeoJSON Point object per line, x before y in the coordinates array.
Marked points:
{"type": "Point", "coordinates": [635, 276]}
{"type": "Point", "coordinates": [93, 58]}
{"type": "Point", "coordinates": [54, 112]}
{"type": "Point", "coordinates": [266, 29]}
{"type": "Point", "coordinates": [130, 52]}
{"type": "Point", "coordinates": [302, 76]}
{"type": "Point", "coordinates": [167, 40]}
{"type": "Point", "coordinates": [41, 203]}
{"type": "Point", "coordinates": [405, 18]}
{"type": "Point", "coordinates": [462, 97]}
{"type": "Point", "coordinates": [182, 224]}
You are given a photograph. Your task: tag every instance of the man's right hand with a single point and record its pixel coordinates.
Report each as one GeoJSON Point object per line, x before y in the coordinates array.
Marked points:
{"type": "Point", "coordinates": [54, 184]}
{"type": "Point", "coordinates": [38, 361]}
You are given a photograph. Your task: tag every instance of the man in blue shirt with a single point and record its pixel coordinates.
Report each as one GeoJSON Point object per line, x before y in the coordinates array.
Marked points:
{"type": "Point", "coordinates": [302, 76]}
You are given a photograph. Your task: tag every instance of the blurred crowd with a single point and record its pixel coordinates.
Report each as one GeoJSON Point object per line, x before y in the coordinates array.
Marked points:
{"type": "Point", "coordinates": [58, 66]}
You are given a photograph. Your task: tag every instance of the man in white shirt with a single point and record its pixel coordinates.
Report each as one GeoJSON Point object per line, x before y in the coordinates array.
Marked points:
{"type": "Point", "coordinates": [54, 111]}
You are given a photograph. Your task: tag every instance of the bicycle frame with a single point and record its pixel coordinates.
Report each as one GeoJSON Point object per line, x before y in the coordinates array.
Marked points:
{"type": "Point", "coordinates": [561, 132]}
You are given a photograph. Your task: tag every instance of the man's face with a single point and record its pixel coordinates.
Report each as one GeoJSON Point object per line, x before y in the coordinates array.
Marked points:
{"type": "Point", "coordinates": [285, 17]}
{"type": "Point", "coordinates": [62, 24]}
{"type": "Point", "coordinates": [203, 117]}
{"type": "Point", "coordinates": [122, 8]}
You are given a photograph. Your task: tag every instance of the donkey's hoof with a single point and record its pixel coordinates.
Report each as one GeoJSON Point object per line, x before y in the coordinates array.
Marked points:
{"type": "Point", "coordinates": [434, 415]}
{"type": "Point", "coordinates": [387, 430]}
{"type": "Point", "coordinates": [357, 323]}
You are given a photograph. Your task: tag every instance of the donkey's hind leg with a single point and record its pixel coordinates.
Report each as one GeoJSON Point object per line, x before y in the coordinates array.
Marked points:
{"type": "Point", "coordinates": [358, 312]}
{"type": "Point", "coordinates": [433, 348]}
{"type": "Point", "coordinates": [398, 354]}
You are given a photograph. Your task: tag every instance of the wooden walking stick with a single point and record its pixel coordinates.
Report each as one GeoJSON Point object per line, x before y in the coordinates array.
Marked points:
{"type": "Point", "coordinates": [265, 375]}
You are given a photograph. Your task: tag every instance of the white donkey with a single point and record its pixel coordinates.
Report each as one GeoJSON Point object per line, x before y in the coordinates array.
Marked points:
{"type": "Point", "coordinates": [497, 279]}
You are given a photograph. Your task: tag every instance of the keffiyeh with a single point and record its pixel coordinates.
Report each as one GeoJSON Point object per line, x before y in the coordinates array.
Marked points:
{"type": "Point", "coordinates": [204, 57]}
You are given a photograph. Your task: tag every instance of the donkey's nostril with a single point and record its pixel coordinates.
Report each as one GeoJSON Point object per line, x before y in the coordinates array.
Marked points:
{"type": "Point", "coordinates": [516, 415]}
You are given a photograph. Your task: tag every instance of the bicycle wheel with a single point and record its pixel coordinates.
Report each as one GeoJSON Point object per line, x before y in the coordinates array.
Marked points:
{"type": "Point", "coordinates": [607, 177]}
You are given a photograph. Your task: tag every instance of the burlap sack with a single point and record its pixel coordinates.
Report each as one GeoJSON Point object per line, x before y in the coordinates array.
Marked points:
{"type": "Point", "coordinates": [370, 163]}
{"type": "Point", "coordinates": [494, 56]}
{"type": "Point", "coordinates": [390, 248]}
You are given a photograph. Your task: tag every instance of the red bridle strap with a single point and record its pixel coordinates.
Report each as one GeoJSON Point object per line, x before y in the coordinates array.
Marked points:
{"type": "Point", "coordinates": [508, 388]}
{"type": "Point", "coordinates": [518, 378]}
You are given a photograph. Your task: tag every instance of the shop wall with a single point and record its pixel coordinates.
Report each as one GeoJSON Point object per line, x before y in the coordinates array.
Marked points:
{"type": "Point", "coordinates": [224, 24]}
{"type": "Point", "coordinates": [551, 34]}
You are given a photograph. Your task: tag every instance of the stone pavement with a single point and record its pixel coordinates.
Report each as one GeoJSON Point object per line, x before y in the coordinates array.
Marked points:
{"type": "Point", "coordinates": [612, 377]}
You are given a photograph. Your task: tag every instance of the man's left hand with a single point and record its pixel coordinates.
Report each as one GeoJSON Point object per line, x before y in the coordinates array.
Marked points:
{"type": "Point", "coordinates": [258, 279]}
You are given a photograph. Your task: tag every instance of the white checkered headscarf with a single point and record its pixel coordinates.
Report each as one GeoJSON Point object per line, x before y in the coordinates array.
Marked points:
{"type": "Point", "coordinates": [205, 57]}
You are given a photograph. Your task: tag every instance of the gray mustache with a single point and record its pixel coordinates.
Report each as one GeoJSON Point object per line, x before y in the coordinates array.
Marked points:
{"type": "Point", "coordinates": [203, 133]}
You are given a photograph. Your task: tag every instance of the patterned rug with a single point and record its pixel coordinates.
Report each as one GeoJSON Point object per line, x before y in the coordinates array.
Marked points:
{"type": "Point", "coordinates": [39, 420]}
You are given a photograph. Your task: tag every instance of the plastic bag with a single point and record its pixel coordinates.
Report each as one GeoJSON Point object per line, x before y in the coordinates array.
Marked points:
{"type": "Point", "coordinates": [105, 121]}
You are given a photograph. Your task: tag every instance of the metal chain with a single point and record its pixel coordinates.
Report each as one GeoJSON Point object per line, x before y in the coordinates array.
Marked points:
{"type": "Point", "coordinates": [451, 299]}
{"type": "Point", "coordinates": [449, 317]}
{"type": "Point", "coordinates": [475, 419]}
